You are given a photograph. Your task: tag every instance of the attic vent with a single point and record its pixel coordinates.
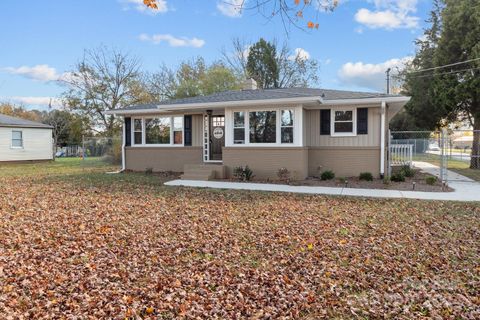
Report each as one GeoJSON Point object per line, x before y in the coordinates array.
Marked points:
{"type": "Point", "coordinates": [249, 84]}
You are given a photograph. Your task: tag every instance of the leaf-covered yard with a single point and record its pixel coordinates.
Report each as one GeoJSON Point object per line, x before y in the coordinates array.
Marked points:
{"type": "Point", "coordinates": [79, 244]}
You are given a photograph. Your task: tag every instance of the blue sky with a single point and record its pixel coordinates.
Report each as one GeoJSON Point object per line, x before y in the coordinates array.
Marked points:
{"type": "Point", "coordinates": [42, 39]}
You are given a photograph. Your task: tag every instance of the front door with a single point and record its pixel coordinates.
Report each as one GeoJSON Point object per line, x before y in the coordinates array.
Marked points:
{"type": "Point", "coordinates": [217, 136]}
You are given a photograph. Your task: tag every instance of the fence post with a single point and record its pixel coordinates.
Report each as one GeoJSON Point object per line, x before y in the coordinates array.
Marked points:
{"type": "Point", "coordinates": [443, 155]}
{"type": "Point", "coordinates": [389, 154]}
{"type": "Point", "coordinates": [83, 148]}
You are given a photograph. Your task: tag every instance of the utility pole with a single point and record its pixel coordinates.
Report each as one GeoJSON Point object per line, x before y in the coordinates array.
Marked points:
{"type": "Point", "coordinates": [388, 80]}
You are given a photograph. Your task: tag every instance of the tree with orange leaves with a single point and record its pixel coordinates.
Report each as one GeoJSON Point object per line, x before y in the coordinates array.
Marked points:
{"type": "Point", "coordinates": [291, 12]}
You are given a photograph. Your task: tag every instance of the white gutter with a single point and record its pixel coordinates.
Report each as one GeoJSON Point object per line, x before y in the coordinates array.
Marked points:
{"type": "Point", "coordinates": [366, 100]}
{"type": "Point", "coordinates": [213, 105]}
{"type": "Point", "coordinates": [382, 139]}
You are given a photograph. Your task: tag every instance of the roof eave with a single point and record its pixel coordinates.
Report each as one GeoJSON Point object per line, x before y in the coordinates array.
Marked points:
{"type": "Point", "coordinates": [24, 126]}
{"type": "Point", "coordinates": [215, 105]}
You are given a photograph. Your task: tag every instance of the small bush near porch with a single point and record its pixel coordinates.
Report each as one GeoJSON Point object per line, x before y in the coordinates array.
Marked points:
{"type": "Point", "coordinates": [77, 242]}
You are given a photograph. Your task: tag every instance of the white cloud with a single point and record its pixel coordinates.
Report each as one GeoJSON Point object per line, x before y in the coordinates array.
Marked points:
{"type": "Point", "coordinates": [141, 7]}
{"type": "Point", "coordinates": [231, 8]}
{"type": "Point", "coordinates": [389, 14]}
{"type": "Point", "coordinates": [368, 75]}
{"type": "Point", "coordinates": [35, 101]}
{"type": "Point", "coordinates": [172, 41]}
{"type": "Point", "coordinates": [300, 53]}
{"type": "Point", "coordinates": [41, 72]}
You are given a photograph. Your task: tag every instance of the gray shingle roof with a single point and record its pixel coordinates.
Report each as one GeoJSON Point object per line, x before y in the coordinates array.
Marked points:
{"type": "Point", "coordinates": [8, 121]}
{"type": "Point", "coordinates": [265, 94]}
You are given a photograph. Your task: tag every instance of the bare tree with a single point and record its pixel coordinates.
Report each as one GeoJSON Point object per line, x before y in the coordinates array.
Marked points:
{"type": "Point", "coordinates": [60, 121]}
{"type": "Point", "coordinates": [295, 68]}
{"type": "Point", "coordinates": [237, 57]}
{"type": "Point", "coordinates": [105, 79]}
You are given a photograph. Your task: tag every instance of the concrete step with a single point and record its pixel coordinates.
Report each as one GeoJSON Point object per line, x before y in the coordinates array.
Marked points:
{"type": "Point", "coordinates": [203, 171]}
{"type": "Point", "coordinates": [198, 176]}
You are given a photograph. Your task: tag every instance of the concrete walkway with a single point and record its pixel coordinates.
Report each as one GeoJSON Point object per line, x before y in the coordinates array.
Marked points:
{"type": "Point", "coordinates": [464, 191]}
{"type": "Point", "coordinates": [435, 171]}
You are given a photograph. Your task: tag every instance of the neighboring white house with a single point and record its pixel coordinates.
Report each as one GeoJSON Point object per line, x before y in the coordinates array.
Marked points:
{"type": "Point", "coordinates": [24, 140]}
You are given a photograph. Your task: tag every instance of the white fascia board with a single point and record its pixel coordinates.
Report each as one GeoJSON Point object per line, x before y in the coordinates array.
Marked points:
{"type": "Point", "coordinates": [216, 105]}
{"type": "Point", "coordinates": [401, 99]}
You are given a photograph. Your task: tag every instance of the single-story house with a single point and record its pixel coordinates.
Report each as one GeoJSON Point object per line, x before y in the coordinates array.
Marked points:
{"type": "Point", "coordinates": [24, 140]}
{"type": "Point", "coordinates": [304, 130]}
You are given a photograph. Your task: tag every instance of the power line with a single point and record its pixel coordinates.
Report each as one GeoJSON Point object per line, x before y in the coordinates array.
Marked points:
{"type": "Point", "coordinates": [441, 74]}
{"type": "Point", "coordinates": [447, 65]}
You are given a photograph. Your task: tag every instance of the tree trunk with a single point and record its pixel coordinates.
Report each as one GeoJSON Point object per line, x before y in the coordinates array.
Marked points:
{"type": "Point", "coordinates": [475, 157]}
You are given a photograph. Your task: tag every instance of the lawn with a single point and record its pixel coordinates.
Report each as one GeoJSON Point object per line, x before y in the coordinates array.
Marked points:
{"type": "Point", "coordinates": [77, 243]}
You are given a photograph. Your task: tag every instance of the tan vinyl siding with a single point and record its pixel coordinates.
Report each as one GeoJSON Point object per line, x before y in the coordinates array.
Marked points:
{"type": "Point", "coordinates": [265, 161]}
{"type": "Point", "coordinates": [314, 139]}
{"type": "Point", "coordinates": [344, 161]}
{"type": "Point", "coordinates": [37, 144]}
{"type": "Point", "coordinates": [161, 158]}
{"type": "Point", "coordinates": [197, 130]}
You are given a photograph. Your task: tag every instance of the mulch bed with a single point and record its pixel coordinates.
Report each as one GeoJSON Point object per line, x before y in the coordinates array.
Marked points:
{"type": "Point", "coordinates": [355, 182]}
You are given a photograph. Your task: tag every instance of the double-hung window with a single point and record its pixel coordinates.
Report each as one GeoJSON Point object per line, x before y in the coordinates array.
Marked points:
{"type": "Point", "coordinates": [137, 131]}
{"type": "Point", "coordinates": [239, 127]}
{"type": "Point", "coordinates": [177, 130]}
{"type": "Point", "coordinates": [17, 139]}
{"type": "Point", "coordinates": [286, 124]}
{"type": "Point", "coordinates": [343, 122]}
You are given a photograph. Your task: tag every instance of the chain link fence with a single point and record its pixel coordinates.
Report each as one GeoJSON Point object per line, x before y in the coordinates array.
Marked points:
{"type": "Point", "coordinates": [94, 151]}
{"type": "Point", "coordinates": [449, 154]}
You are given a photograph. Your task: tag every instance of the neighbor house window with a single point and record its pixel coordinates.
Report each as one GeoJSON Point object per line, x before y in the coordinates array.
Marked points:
{"type": "Point", "coordinates": [177, 130]}
{"type": "Point", "coordinates": [137, 131]}
{"type": "Point", "coordinates": [263, 126]}
{"type": "Point", "coordinates": [286, 125]}
{"type": "Point", "coordinates": [157, 130]}
{"type": "Point", "coordinates": [17, 139]}
{"type": "Point", "coordinates": [239, 127]}
{"type": "Point", "coordinates": [343, 122]}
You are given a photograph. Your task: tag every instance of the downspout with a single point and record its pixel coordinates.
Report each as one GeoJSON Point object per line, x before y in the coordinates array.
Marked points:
{"type": "Point", "coordinates": [382, 139]}
{"type": "Point", "coordinates": [123, 145]}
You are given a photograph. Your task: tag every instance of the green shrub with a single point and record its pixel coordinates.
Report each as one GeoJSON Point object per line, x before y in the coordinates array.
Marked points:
{"type": "Point", "coordinates": [398, 177]}
{"type": "Point", "coordinates": [248, 173]}
{"type": "Point", "coordinates": [430, 180]}
{"type": "Point", "coordinates": [327, 175]}
{"type": "Point", "coordinates": [407, 171]}
{"type": "Point", "coordinates": [238, 173]}
{"type": "Point", "coordinates": [243, 173]}
{"type": "Point", "coordinates": [367, 176]}
{"type": "Point", "coordinates": [386, 180]}
{"type": "Point", "coordinates": [283, 174]}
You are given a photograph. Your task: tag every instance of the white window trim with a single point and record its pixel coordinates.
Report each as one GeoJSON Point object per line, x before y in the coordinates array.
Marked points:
{"type": "Point", "coordinates": [297, 127]}
{"type": "Point", "coordinates": [158, 145]}
{"type": "Point", "coordinates": [11, 140]}
{"type": "Point", "coordinates": [354, 122]}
